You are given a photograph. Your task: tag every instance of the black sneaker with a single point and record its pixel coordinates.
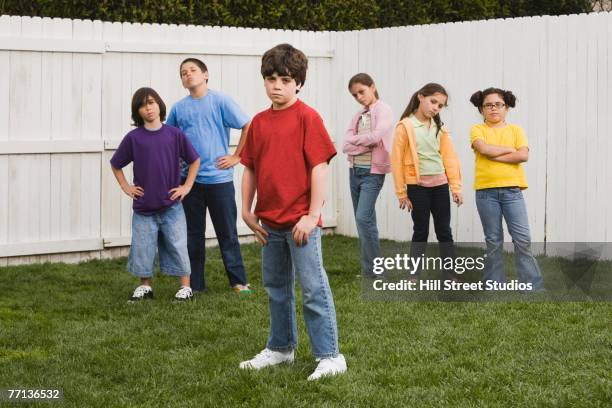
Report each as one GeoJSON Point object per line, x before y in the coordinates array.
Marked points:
{"type": "Point", "coordinates": [142, 292]}
{"type": "Point", "coordinates": [184, 294]}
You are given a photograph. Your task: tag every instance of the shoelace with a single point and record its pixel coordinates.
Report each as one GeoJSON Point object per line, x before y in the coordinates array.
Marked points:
{"type": "Point", "coordinates": [183, 293]}
{"type": "Point", "coordinates": [141, 291]}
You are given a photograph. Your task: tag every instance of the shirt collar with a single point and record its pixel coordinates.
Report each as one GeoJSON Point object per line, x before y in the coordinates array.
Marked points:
{"type": "Point", "coordinates": [369, 108]}
{"type": "Point", "coordinates": [417, 123]}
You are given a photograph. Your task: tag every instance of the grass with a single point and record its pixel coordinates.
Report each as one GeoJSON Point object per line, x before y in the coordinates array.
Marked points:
{"type": "Point", "coordinates": [70, 327]}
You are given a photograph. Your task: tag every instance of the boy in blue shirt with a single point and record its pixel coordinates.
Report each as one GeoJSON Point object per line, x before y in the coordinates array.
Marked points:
{"type": "Point", "coordinates": [206, 117]}
{"type": "Point", "coordinates": [158, 222]}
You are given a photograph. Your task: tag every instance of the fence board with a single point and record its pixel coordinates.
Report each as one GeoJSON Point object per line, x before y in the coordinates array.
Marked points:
{"type": "Point", "coordinates": [4, 199]}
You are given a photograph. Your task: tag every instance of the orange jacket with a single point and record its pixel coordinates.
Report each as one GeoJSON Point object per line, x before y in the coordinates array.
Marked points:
{"type": "Point", "coordinates": [405, 160]}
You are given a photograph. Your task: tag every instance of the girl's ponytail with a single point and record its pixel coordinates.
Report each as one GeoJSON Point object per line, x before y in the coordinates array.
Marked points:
{"type": "Point", "coordinates": [509, 98]}
{"type": "Point", "coordinates": [477, 98]}
{"type": "Point", "coordinates": [413, 105]}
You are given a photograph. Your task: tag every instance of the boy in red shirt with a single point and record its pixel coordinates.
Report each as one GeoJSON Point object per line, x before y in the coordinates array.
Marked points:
{"type": "Point", "coordinates": [286, 159]}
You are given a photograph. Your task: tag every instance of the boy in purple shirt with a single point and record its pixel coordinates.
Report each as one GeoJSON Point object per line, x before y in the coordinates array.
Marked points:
{"type": "Point", "coordinates": [156, 150]}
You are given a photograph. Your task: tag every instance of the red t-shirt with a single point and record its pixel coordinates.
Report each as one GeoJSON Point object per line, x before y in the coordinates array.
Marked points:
{"type": "Point", "coordinates": [282, 147]}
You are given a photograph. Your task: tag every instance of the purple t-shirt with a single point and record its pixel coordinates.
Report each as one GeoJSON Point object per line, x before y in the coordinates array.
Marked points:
{"type": "Point", "coordinates": [156, 155]}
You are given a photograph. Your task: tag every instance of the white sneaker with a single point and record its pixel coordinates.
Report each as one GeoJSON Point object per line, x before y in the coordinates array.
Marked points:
{"type": "Point", "coordinates": [141, 292]}
{"type": "Point", "coordinates": [183, 294]}
{"type": "Point", "coordinates": [267, 358]}
{"type": "Point", "coordinates": [328, 367]}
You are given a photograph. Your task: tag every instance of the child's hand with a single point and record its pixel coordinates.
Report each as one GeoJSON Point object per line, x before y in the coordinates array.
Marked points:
{"type": "Point", "coordinates": [179, 192]}
{"type": "Point", "coordinates": [228, 161]}
{"type": "Point", "coordinates": [252, 221]}
{"type": "Point", "coordinates": [135, 192]}
{"type": "Point", "coordinates": [303, 228]}
{"type": "Point", "coordinates": [405, 203]}
{"type": "Point", "coordinates": [458, 198]}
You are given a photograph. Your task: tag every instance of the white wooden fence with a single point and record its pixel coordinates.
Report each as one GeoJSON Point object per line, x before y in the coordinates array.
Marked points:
{"type": "Point", "coordinates": [66, 85]}
{"type": "Point", "coordinates": [561, 70]}
{"type": "Point", "coordinates": [65, 92]}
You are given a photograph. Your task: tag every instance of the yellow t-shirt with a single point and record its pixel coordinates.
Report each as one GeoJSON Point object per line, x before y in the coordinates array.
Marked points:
{"type": "Point", "coordinates": [491, 174]}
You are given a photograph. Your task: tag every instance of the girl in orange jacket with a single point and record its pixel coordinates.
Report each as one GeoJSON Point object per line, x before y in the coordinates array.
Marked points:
{"type": "Point", "coordinates": [424, 166]}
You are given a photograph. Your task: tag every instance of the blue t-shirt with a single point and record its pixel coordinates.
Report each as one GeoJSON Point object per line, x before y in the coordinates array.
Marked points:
{"type": "Point", "coordinates": [206, 122]}
{"type": "Point", "coordinates": [156, 155]}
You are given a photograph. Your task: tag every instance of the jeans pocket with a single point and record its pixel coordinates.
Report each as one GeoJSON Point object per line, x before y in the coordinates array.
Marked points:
{"type": "Point", "coordinates": [514, 193]}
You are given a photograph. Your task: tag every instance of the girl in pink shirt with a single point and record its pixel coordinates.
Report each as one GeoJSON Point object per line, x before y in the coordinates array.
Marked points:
{"type": "Point", "coordinates": [367, 144]}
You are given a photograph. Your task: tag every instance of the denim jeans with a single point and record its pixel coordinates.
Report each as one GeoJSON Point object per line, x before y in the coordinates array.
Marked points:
{"type": "Point", "coordinates": [494, 204]}
{"type": "Point", "coordinates": [282, 259]}
{"type": "Point", "coordinates": [220, 200]}
{"type": "Point", "coordinates": [165, 232]}
{"type": "Point", "coordinates": [365, 188]}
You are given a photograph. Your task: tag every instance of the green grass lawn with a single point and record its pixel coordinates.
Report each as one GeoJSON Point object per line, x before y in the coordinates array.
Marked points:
{"type": "Point", "coordinates": [70, 327]}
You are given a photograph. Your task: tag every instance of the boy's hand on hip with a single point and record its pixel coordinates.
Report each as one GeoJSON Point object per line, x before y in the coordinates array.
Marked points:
{"type": "Point", "coordinates": [135, 192]}
{"type": "Point", "coordinates": [252, 221]}
{"type": "Point", "coordinates": [228, 161]}
{"type": "Point", "coordinates": [179, 192]}
{"type": "Point", "coordinates": [301, 231]}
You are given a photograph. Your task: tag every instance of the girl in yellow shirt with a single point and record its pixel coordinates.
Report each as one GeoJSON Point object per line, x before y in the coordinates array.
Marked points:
{"type": "Point", "coordinates": [500, 148]}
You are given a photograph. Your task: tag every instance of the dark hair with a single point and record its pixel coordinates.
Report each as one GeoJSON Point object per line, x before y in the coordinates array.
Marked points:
{"type": "Point", "coordinates": [140, 98]}
{"type": "Point", "coordinates": [478, 97]}
{"type": "Point", "coordinates": [427, 90]}
{"type": "Point", "coordinates": [364, 79]}
{"type": "Point", "coordinates": [285, 60]}
{"type": "Point", "coordinates": [196, 61]}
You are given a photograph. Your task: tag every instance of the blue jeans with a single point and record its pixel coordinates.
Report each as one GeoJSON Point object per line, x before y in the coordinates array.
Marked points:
{"type": "Point", "coordinates": [493, 204]}
{"type": "Point", "coordinates": [165, 232]}
{"type": "Point", "coordinates": [220, 200]}
{"type": "Point", "coordinates": [365, 188]}
{"type": "Point", "coordinates": [282, 259]}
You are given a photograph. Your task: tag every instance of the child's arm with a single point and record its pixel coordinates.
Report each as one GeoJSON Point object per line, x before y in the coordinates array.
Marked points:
{"type": "Point", "coordinates": [384, 123]}
{"type": "Point", "coordinates": [351, 148]}
{"type": "Point", "coordinates": [231, 160]}
{"type": "Point", "coordinates": [135, 192]}
{"type": "Point", "coordinates": [400, 141]}
{"type": "Point", "coordinates": [491, 151]}
{"type": "Point", "coordinates": [318, 188]}
{"type": "Point", "coordinates": [452, 167]}
{"type": "Point", "coordinates": [519, 156]}
{"type": "Point", "coordinates": [181, 191]}
{"type": "Point", "coordinates": [249, 186]}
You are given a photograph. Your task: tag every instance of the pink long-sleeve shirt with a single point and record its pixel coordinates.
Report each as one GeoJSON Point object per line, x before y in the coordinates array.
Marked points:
{"type": "Point", "coordinates": [379, 139]}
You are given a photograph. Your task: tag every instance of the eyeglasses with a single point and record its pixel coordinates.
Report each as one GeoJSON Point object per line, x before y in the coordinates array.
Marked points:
{"type": "Point", "coordinates": [497, 105]}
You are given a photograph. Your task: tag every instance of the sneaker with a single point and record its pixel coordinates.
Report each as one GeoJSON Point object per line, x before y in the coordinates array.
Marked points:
{"type": "Point", "coordinates": [142, 292]}
{"type": "Point", "coordinates": [242, 289]}
{"type": "Point", "coordinates": [267, 358]}
{"type": "Point", "coordinates": [183, 294]}
{"type": "Point", "coordinates": [328, 367]}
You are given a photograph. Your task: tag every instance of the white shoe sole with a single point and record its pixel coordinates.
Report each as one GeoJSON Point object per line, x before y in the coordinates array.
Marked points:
{"type": "Point", "coordinates": [246, 365]}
